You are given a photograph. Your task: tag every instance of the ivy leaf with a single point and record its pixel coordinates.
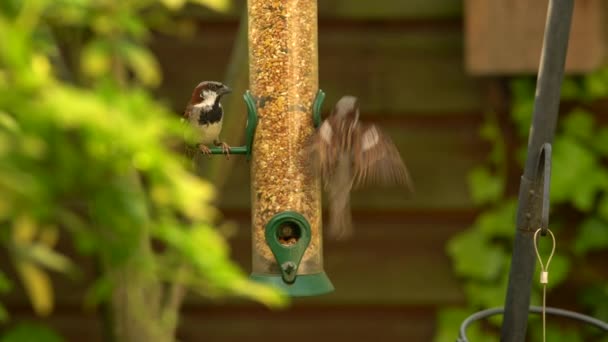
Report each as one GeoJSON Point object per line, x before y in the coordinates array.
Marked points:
{"type": "Point", "coordinates": [592, 235]}
{"type": "Point", "coordinates": [570, 89]}
{"type": "Point", "coordinates": [596, 84]}
{"type": "Point", "coordinates": [601, 141]}
{"type": "Point", "coordinates": [596, 299]}
{"type": "Point", "coordinates": [485, 187]}
{"type": "Point", "coordinates": [31, 332]}
{"type": "Point", "coordinates": [579, 124]}
{"type": "Point", "coordinates": [487, 295]}
{"type": "Point", "coordinates": [474, 257]}
{"type": "Point", "coordinates": [602, 207]}
{"type": "Point", "coordinates": [499, 221]}
{"type": "Point", "coordinates": [575, 175]}
{"type": "Point", "coordinates": [142, 62]}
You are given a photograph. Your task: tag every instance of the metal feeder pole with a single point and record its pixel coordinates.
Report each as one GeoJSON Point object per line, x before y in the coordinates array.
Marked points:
{"type": "Point", "coordinates": [529, 217]}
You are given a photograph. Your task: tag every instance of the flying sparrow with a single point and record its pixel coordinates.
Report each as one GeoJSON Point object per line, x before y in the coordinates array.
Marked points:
{"type": "Point", "coordinates": [204, 112]}
{"type": "Point", "coordinates": [348, 153]}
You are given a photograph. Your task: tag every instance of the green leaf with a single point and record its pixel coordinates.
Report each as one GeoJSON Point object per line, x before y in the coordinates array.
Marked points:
{"type": "Point", "coordinates": [47, 257]}
{"type": "Point", "coordinates": [601, 141]}
{"type": "Point", "coordinates": [592, 235]}
{"type": "Point", "coordinates": [579, 124]}
{"type": "Point", "coordinates": [596, 84]}
{"type": "Point", "coordinates": [571, 89]}
{"type": "Point", "coordinates": [31, 332]}
{"type": "Point", "coordinates": [142, 62]}
{"type": "Point", "coordinates": [5, 283]}
{"type": "Point", "coordinates": [95, 60]}
{"type": "Point", "coordinates": [475, 257]}
{"type": "Point", "coordinates": [484, 186]}
{"type": "Point", "coordinates": [498, 221]}
{"type": "Point", "coordinates": [222, 6]}
{"type": "Point", "coordinates": [576, 177]}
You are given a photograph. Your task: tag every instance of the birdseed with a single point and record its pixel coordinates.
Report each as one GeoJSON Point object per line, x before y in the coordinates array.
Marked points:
{"type": "Point", "coordinates": [283, 78]}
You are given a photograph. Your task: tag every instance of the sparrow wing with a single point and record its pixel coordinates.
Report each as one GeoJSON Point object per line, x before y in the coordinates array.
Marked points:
{"type": "Point", "coordinates": [376, 159]}
{"type": "Point", "coordinates": [338, 191]}
{"type": "Point", "coordinates": [323, 149]}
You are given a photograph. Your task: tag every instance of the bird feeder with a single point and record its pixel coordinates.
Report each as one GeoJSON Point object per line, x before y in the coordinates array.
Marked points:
{"type": "Point", "coordinates": [286, 196]}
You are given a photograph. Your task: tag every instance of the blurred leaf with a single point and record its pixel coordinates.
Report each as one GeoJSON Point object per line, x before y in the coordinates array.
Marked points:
{"type": "Point", "coordinates": [100, 291]}
{"type": "Point", "coordinates": [592, 235]}
{"type": "Point", "coordinates": [30, 332]}
{"type": "Point", "coordinates": [601, 141]}
{"type": "Point", "coordinates": [487, 295]}
{"type": "Point", "coordinates": [595, 298]}
{"type": "Point", "coordinates": [5, 283]}
{"type": "Point", "coordinates": [142, 62]}
{"type": "Point", "coordinates": [8, 122]}
{"type": "Point", "coordinates": [38, 287]}
{"type": "Point", "coordinates": [45, 256]}
{"type": "Point", "coordinates": [596, 84]}
{"type": "Point", "coordinates": [571, 89]}
{"type": "Point", "coordinates": [173, 4]}
{"type": "Point", "coordinates": [498, 221]}
{"type": "Point", "coordinates": [96, 59]}
{"type": "Point", "coordinates": [484, 186]}
{"type": "Point", "coordinates": [579, 124]}
{"type": "Point", "coordinates": [575, 174]}
{"type": "Point", "coordinates": [474, 257]}
{"type": "Point", "coordinates": [602, 208]}
{"type": "Point", "coordinates": [217, 5]}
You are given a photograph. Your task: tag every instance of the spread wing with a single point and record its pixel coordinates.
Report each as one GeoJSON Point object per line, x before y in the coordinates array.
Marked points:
{"type": "Point", "coordinates": [377, 160]}
{"type": "Point", "coordinates": [322, 150]}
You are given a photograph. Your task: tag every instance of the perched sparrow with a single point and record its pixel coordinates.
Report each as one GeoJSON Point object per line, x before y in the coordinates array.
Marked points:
{"type": "Point", "coordinates": [204, 112]}
{"type": "Point", "coordinates": [348, 153]}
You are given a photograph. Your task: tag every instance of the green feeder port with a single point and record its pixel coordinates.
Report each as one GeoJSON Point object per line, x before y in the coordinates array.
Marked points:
{"type": "Point", "coordinates": [288, 236]}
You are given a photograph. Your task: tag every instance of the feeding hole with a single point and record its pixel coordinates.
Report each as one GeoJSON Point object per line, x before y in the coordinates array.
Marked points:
{"type": "Point", "coordinates": [288, 233]}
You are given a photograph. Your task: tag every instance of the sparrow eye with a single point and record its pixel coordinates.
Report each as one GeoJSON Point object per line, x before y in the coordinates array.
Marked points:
{"type": "Point", "coordinates": [202, 95]}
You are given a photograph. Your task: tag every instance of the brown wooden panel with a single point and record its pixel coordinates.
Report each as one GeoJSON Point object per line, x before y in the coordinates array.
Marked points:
{"type": "Point", "coordinates": [505, 36]}
{"type": "Point", "coordinates": [392, 70]}
{"type": "Point", "coordinates": [439, 157]}
{"type": "Point", "coordinates": [302, 325]}
{"type": "Point", "coordinates": [357, 9]}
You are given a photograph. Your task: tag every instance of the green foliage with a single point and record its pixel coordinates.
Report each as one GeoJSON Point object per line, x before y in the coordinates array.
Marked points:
{"type": "Point", "coordinates": [87, 151]}
{"type": "Point", "coordinates": [579, 182]}
{"type": "Point", "coordinates": [30, 332]}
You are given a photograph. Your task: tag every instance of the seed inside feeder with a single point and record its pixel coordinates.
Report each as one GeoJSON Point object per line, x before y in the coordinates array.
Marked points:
{"type": "Point", "coordinates": [288, 234]}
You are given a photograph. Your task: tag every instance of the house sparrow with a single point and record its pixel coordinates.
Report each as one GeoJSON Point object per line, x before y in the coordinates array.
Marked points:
{"type": "Point", "coordinates": [204, 112]}
{"type": "Point", "coordinates": [348, 153]}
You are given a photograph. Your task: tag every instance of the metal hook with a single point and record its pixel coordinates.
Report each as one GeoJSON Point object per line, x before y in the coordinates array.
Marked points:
{"type": "Point", "coordinates": [542, 185]}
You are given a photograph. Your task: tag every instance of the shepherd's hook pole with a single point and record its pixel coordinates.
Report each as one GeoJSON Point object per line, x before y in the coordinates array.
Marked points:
{"type": "Point", "coordinates": [546, 106]}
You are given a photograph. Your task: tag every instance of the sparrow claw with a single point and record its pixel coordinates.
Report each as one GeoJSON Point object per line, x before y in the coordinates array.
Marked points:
{"type": "Point", "coordinates": [225, 149]}
{"type": "Point", "coordinates": [204, 149]}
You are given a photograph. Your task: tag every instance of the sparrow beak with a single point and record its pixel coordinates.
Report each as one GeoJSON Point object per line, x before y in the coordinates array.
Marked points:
{"type": "Point", "coordinates": [225, 90]}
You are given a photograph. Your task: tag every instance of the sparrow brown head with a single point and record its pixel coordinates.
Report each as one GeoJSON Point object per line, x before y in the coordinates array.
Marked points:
{"type": "Point", "coordinates": [208, 92]}
{"type": "Point", "coordinates": [348, 153]}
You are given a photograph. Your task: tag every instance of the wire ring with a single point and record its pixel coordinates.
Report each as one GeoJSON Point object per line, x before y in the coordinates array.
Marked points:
{"type": "Point", "coordinates": [540, 260]}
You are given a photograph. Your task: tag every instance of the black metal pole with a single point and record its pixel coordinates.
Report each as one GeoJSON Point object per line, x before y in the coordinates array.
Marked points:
{"type": "Point", "coordinates": [546, 106]}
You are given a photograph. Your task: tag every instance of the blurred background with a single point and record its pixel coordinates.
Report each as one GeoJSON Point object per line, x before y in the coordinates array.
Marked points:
{"type": "Point", "coordinates": [452, 82]}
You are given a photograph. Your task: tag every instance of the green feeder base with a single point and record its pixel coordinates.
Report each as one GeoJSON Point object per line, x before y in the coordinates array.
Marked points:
{"type": "Point", "coordinates": [305, 284]}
